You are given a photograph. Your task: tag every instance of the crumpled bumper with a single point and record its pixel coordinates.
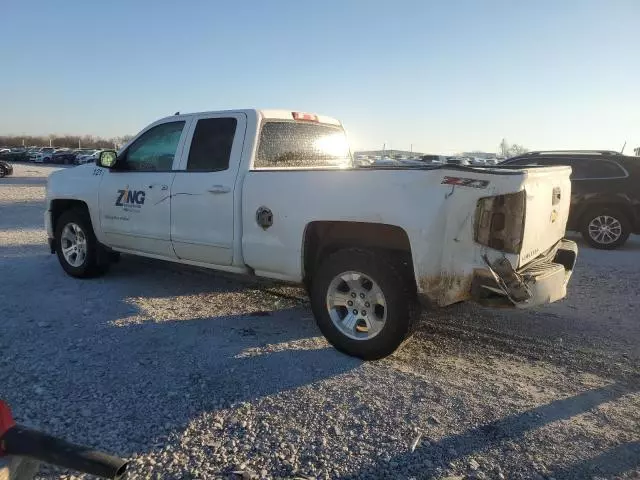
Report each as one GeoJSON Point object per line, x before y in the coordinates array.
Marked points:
{"type": "Point", "coordinates": [542, 281]}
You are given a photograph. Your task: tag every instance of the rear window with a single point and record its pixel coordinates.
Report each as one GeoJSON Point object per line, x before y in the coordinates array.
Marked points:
{"type": "Point", "coordinates": [302, 145]}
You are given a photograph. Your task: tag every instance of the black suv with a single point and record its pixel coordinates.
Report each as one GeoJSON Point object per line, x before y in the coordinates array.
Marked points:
{"type": "Point", "coordinates": [605, 192]}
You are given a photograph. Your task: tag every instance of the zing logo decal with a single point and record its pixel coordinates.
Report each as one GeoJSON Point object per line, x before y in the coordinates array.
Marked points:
{"type": "Point", "coordinates": [130, 199]}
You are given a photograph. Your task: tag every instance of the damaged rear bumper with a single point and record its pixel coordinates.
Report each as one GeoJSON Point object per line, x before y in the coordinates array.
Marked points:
{"type": "Point", "coordinates": [543, 280]}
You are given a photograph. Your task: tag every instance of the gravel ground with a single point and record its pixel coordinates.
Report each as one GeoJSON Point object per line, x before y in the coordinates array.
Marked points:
{"type": "Point", "coordinates": [194, 374]}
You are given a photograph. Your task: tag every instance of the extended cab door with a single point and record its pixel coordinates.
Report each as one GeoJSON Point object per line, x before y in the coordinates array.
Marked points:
{"type": "Point", "coordinates": [204, 188]}
{"type": "Point", "coordinates": [135, 205]}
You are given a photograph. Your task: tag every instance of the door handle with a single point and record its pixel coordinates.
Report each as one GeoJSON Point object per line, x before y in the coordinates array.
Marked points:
{"type": "Point", "coordinates": [162, 187]}
{"type": "Point", "coordinates": [219, 189]}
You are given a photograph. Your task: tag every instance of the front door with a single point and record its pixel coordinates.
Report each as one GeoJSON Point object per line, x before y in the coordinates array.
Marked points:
{"type": "Point", "coordinates": [203, 191]}
{"type": "Point", "coordinates": [135, 203]}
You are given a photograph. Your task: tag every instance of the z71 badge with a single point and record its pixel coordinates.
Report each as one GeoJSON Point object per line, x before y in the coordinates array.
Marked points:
{"type": "Point", "coordinates": [465, 182]}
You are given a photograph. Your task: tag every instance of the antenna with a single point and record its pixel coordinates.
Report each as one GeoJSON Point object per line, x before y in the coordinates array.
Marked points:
{"type": "Point", "coordinates": [622, 149]}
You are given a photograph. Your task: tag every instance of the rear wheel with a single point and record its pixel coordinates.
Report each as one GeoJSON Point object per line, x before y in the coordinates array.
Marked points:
{"type": "Point", "coordinates": [363, 304]}
{"type": "Point", "coordinates": [77, 248]}
{"type": "Point", "coordinates": [605, 228]}
{"type": "Point", "coordinates": [3, 172]}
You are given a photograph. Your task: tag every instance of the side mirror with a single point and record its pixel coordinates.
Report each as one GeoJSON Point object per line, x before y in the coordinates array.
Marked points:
{"type": "Point", "coordinates": [107, 158]}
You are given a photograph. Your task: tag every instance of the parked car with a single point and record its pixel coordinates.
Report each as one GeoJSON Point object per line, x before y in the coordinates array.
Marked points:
{"type": "Point", "coordinates": [89, 156]}
{"type": "Point", "coordinates": [44, 155]}
{"type": "Point", "coordinates": [33, 152]}
{"type": "Point", "coordinates": [438, 159]}
{"type": "Point", "coordinates": [5, 169]}
{"type": "Point", "coordinates": [605, 197]}
{"type": "Point", "coordinates": [457, 161]}
{"type": "Point", "coordinates": [270, 193]}
{"type": "Point", "coordinates": [14, 155]}
{"type": "Point", "coordinates": [65, 157]}
{"type": "Point", "coordinates": [476, 161]}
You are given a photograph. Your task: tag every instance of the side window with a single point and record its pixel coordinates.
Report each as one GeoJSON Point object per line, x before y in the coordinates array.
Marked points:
{"type": "Point", "coordinates": [154, 150]}
{"type": "Point", "coordinates": [211, 145]}
{"type": "Point", "coordinates": [600, 169]}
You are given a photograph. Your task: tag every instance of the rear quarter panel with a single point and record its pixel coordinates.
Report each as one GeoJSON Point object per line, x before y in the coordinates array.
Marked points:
{"type": "Point", "coordinates": [437, 218]}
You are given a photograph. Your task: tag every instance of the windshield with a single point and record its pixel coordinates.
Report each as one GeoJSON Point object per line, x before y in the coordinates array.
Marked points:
{"type": "Point", "coordinates": [302, 145]}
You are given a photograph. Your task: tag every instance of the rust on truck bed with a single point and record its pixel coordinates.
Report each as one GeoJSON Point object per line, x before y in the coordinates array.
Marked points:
{"type": "Point", "coordinates": [446, 288]}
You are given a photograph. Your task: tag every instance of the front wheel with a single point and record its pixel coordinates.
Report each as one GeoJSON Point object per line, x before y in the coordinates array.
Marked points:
{"type": "Point", "coordinates": [605, 228]}
{"type": "Point", "coordinates": [76, 245]}
{"type": "Point", "coordinates": [362, 303]}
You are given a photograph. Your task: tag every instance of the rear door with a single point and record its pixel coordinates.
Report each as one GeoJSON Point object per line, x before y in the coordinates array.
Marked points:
{"type": "Point", "coordinates": [203, 191]}
{"type": "Point", "coordinates": [593, 178]}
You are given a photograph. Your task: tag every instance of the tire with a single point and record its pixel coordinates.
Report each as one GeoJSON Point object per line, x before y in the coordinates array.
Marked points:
{"type": "Point", "coordinates": [399, 299]}
{"type": "Point", "coordinates": [3, 172]}
{"type": "Point", "coordinates": [618, 224]}
{"type": "Point", "coordinates": [94, 262]}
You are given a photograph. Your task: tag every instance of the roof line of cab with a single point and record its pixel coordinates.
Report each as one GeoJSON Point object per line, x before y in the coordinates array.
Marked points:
{"type": "Point", "coordinates": [265, 114]}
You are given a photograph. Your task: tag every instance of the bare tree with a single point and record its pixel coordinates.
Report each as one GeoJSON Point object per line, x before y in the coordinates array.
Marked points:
{"type": "Point", "coordinates": [506, 150]}
{"type": "Point", "coordinates": [517, 150]}
{"type": "Point", "coordinates": [68, 141]}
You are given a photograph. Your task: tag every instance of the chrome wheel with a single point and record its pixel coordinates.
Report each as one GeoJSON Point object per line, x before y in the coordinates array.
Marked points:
{"type": "Point", "coordinates": [605, 229]}
{"type": "Point", "coordinates": [73, 243]}
{"type": "Point", "coordinates": [356, 305]}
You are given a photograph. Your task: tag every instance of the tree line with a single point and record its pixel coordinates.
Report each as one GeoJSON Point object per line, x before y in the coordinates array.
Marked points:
{"type": "Point", "coordinates": [506, 150]}
{"type": "Point", "coordinates": [59, 141]}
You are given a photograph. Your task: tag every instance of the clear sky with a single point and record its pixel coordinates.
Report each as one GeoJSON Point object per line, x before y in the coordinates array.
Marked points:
{"type": "Point", "coordinates": [445, 76]}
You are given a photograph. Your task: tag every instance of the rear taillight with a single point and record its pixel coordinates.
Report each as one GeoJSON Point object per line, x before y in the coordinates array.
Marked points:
{"type": "Point", "coordinates": [499, 221]}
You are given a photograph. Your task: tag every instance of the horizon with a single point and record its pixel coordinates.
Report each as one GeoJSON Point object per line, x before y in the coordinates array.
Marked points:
{"type": "Point", "coordinates": [444, 77]}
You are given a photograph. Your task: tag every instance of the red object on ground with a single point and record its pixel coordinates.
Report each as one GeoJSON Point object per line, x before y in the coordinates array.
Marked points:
{"type": "Point", "coordinates": [6, 422]}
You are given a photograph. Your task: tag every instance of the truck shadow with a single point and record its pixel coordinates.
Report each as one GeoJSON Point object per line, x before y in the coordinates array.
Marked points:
{"type": "Point", "coordinates": [110, 353]}
{"type": "Point", "coordinates": [615, 461]}
{"type": "Point", "coordinates": [514, 428]}
{"type": "Point", "coordinates": [23, 181]}
{"type": "Point", "coordinates": [133, 386]}
{"type": "Point", "coordinates": [21, 215]}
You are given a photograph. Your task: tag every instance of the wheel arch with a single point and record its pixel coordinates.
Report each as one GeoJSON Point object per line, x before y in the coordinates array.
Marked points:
{"type": "Point", "coordinates": [60, 205]}
{"type": "Point", "coordinates": [322, 238]}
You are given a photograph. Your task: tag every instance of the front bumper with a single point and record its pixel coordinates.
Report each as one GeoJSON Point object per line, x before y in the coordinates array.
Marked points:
{"type": "Point", "coordinates": [542, 281]}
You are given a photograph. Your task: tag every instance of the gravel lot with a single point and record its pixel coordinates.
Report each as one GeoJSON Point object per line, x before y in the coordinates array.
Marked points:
{"type": "Point", "coordinates": [194, 374]}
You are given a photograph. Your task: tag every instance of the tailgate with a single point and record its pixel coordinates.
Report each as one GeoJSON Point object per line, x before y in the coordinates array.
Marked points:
{"type": "Point", "coordinates": [548, 193]}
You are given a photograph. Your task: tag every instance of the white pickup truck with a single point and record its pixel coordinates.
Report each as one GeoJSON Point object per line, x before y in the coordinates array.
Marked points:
{"type": "Point", "coordinates": [275, 194]}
